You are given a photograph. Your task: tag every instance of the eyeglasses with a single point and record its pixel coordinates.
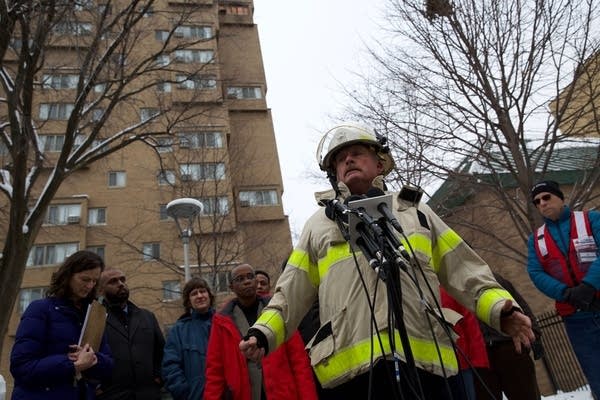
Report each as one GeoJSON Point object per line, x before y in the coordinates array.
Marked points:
{"type": "Point", "coordinates": [545, 197]}
{"type": "Point", "coordinates": [241, 278]}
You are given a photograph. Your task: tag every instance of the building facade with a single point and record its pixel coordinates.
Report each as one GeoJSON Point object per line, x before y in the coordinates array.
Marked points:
{"type": "Point", "coordinates": [208, 135]}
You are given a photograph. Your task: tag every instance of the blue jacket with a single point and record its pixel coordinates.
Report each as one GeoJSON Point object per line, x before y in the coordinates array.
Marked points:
{"type": "Point", "coordinates": [184, 360]}
{"type": "Point", "coordinates": [39, 359]}
{"type": "Point", "coordinates": [560, 231]}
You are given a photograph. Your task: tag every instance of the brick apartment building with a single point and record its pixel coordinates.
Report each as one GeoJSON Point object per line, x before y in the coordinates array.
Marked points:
{"type": "Point", "coordinates": [216, 144]}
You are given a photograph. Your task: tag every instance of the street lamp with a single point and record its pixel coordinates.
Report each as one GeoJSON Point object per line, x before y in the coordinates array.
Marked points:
{"type": "Point", "coordinates": [183, 212]}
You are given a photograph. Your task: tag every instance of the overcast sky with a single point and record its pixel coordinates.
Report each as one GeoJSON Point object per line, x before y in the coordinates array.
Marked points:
{"type": "Point", "coordinates": [309, 49]}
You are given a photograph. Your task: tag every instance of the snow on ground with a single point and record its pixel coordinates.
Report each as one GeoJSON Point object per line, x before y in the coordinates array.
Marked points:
{"type": "Point", "coordinates": [581, 394]}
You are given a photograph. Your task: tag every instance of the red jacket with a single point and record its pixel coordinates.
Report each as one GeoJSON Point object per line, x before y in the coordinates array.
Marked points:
{"type": "Point", "coordinates": [470, 342]}
{"type": "Point", "coordinates": [287, 372]}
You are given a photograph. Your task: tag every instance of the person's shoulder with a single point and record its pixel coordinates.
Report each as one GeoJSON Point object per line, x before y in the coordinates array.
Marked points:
{"type": "Point", "coordinates": [40, 305]}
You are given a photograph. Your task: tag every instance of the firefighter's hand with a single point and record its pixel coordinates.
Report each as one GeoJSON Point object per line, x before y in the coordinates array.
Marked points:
{"type": "Point", "coordinates": [249, 347]}
{"type": "Point", "coordinates": [517, 325]}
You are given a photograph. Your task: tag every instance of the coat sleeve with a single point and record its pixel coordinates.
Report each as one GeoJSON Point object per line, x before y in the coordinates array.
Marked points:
{"type": "Point", "coordinates": [215, 368]}
{"type": "Point", "coordinates": [172, 366]}
{"type": "Point", "coordinates": [29, 361]}
{"type": "Point", "coordinates": [159, 345]}
{"type": "Point", "coordinates": [593, 275]}
{"type": "Point", "coordinates": [301, 368]}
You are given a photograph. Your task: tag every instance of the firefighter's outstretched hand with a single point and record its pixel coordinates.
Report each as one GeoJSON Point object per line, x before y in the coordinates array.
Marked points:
{"type": "Point", "coordinates": [517, 325]}
{"type": "Point", "coordinates": [249, 347]}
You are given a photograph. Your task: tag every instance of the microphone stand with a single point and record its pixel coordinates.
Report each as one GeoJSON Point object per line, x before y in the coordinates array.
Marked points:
{"type": "Point", "coordinates": [390, 256]}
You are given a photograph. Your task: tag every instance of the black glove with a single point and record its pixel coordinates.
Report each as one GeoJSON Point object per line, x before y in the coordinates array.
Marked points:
{"type": "Point", "coordinates": [581, 296]}
{"type": "Point", "coordinates": [538, 349]}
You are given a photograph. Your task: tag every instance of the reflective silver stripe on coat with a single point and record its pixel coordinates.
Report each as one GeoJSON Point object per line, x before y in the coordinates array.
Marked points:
{"type": "Point", "coordinates": [542, 241]}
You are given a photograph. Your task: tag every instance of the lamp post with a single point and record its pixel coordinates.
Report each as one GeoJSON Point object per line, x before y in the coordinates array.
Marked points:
{"type": "Point", "coordinates": [183, 212]}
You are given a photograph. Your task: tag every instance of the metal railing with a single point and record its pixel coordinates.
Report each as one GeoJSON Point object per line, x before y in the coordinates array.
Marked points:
{"type": "Point", "coordinates": [559, 359]}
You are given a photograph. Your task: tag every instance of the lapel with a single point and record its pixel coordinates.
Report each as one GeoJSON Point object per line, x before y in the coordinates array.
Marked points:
{"type": "Point", "coordinates": [113, 321]}
{"type": "Point", "coordinates": [134, 319]}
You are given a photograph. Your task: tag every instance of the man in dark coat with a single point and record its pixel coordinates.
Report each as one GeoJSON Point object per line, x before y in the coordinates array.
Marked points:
{"type": "Point", "coordinates": [136, 342]}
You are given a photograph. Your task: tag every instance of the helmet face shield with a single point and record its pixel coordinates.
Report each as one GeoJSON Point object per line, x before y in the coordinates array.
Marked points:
{"type": "Point", "coordinates": [348, 134]}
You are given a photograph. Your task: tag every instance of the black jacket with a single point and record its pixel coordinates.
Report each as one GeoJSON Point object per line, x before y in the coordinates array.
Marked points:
{"type": "Point", "coordinates": [137, 347]}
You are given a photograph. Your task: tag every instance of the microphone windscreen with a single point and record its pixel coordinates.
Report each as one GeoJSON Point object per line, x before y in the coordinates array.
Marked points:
{"type": "Point", "coordinates": [375, 192]}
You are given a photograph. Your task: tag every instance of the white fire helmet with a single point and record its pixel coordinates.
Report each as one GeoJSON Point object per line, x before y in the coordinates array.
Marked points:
{"type": "Point", "coordinates": [347, 134]}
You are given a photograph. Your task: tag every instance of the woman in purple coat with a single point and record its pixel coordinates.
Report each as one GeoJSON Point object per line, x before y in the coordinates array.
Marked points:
{"type": "Point", "coordinates": [46, 361]}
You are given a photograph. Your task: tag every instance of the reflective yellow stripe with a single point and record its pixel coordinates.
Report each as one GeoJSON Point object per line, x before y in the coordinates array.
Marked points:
{"type": "Point", "coordinates": [335, 254]}
{"type": "Point", "coordinates": [301, 260]}
{"type": "Point", "coordinates": [353, 357]}
{"type": "Point", "coordinates": [486, 301]}
{"type": "Point", "coordinates": [272, 319]}
{"type": "Point", "coordinates": [445, 243]}
{"type": "Point", "coordinates": [419, 242]}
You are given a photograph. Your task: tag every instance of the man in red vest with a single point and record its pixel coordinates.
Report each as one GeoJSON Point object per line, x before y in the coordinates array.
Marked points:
{"type": "Point", "coordinates": [563, 263]}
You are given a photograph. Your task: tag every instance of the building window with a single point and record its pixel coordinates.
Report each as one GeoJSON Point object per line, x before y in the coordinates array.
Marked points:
{"type": "Point", "coordinates": [55, 111]}
{"type": "Point", "coordinates": [196, 82]}
{"type": "Point", "coordinates": [117, 179]}
{"type": "Point", "coordinates": [80, 5]}
{"type": "Point", "coordinates": [151, 251]}
{"type": "Point", "coordinates": [26, 296]}
{"type": "Point", "coordinates": [191, 56]}
{"type": "Point", "coordinates": [251, 198]}
{"type": "Point", "coordinates": [100, 250]}
{"type": "Point", "coordinates": [162, 212]}
{"type": "Point", "coordinates": [164, 144]}
{"type": "Point", "coordinates": [214, 205]}
{"type": "Point", "coordinates": [166, 177]}
{"type": "Point", "coordinates": [74, 28]}
{"type": "Point", "coordinates": [148, 12]}
{"type": "Point", "coordinates": [218, 281]}
{"type": "Point", "coordinates": [161, 35]}
{"type": "Point", "coordinates": [60, 81]}
{"type": "Point", "coordinates": [244, 92]}
{"type": "Point", "coordinates": [97, 216]}
{"type": "Point", "coordinates": [97, 114]}
{"type": "Point", "coordinates": [50, 254]}
{"type": "Point", "coordinates": [171, 290]}
{"type": "Point", "coordinates": [237, 10]}
{"type": "Point", "coordinates": [196, 140]}
{"type": "Point", "coordinates": [162, 60]}
{"type": "Point", "coordinates": [147, 114]}
{"type": "Point", "coordinates": [163, 87]}
{"type": "Point", "coordinates": [193, 32]}
{"type": "Point", "coordinates": [51, 143]}
{"type": "Point", "coordinates": [198, 172]}
{"type": "Point", "coordinates": [104, 8]}
{"type": "Point", "coordinates": [62, 214]}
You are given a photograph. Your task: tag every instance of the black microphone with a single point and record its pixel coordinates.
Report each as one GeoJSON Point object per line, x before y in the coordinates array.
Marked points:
{"type": "Point", "coordinates": [335, 209]}
{"type": "Point", "coordinates": [383, 208]}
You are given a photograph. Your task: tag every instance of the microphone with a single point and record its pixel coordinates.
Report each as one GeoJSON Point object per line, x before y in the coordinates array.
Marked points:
{"type": "Point", "coordinates": [383, 208]}
{"type": "Point", "coordinates": [335, 209]}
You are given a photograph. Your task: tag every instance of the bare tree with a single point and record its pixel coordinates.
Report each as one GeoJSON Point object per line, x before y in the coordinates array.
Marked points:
{"type": "Point", "coordinates": [90, 86]}
{"type": "Point", "coordinates": [479, 86]}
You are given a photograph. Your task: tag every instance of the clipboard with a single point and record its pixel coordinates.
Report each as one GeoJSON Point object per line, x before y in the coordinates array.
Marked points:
{"type": "Point", "coordinates": [93, 326]}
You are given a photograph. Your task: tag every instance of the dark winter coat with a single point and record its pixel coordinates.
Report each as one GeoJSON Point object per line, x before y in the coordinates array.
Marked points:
{"type": "Point", "coordinates": [184, 361]}
{"type": "Point", "coordinates": [39, 359]}
{"type": "Point", "coordinates": [137, 349]}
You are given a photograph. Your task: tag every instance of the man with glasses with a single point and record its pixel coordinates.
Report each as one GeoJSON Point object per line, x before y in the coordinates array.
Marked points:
{"type": "Point", "coordinates": [285, 374]}
{"type": "Point", "coordinates": [563, 264]}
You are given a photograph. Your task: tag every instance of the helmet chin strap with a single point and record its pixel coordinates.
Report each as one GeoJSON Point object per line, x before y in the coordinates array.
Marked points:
{"type": "Point", "coordinates": [333, 181]}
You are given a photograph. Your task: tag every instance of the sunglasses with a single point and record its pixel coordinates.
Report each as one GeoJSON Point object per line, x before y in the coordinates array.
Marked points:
{"type": "Point", "coordinates": [545, 197]}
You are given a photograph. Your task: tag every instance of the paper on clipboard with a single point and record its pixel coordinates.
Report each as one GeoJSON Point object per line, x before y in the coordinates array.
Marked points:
{"type": "Point", "coordinates": [93, 325]}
